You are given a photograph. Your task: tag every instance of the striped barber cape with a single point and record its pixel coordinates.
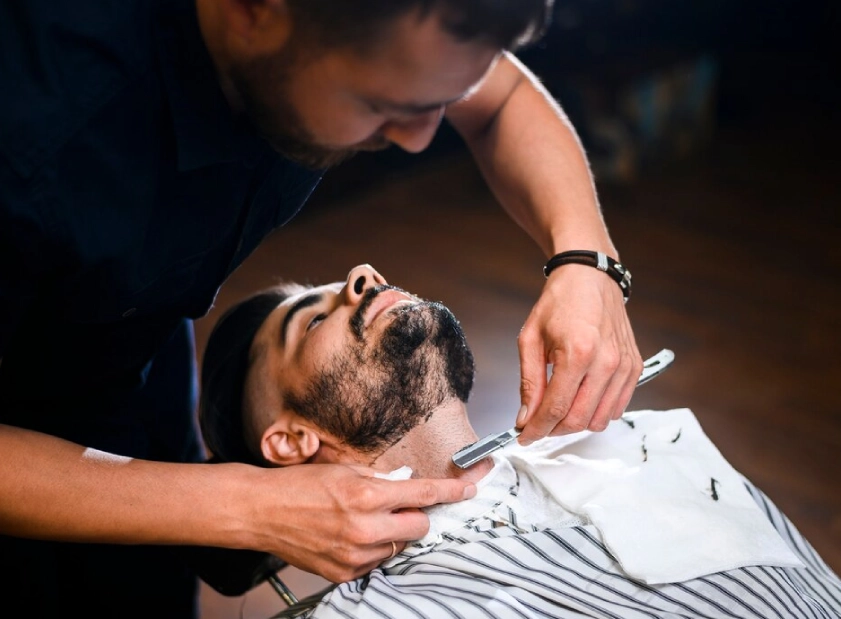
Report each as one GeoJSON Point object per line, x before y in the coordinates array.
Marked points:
{"type": "Point", "coordinates": [514, 552]}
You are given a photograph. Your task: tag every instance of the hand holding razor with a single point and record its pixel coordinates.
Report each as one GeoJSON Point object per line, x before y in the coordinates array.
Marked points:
{"type": "Point", "coordinates": [471, 454]}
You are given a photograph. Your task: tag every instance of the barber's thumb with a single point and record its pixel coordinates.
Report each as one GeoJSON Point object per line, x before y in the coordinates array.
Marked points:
{"type": "Point", "coordinates": [461, 490]}
{"type": "Point", "coordinates": [522, 416]}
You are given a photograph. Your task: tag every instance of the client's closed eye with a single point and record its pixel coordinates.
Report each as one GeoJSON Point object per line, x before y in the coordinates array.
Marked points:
{"type": "Point", "coordinates": [316, 321]}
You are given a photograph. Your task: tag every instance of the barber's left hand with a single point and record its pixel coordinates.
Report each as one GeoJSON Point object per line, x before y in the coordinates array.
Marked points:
{"type": "Point", "coordinates": [579, 326]}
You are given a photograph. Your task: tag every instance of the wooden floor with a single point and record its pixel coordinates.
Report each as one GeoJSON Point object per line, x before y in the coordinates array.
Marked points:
{"type": "Point", "coordinates": [736, 261]}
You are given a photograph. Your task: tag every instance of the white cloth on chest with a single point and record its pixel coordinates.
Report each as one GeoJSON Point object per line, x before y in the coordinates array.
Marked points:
{"type": "Point", "coordinates": [503, 496]}
{"type": "Point", "coordinates": [666, 502]}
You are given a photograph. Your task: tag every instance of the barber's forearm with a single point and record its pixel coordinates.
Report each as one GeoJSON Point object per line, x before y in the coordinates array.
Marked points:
{"type": "Point", "coordinates": [53, 489]}
{"type": "Point", "coordinates": [532, 159]}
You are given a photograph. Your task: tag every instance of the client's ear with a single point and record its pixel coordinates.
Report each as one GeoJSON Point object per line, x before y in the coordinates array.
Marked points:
{"type": "Point", "coordinates": [288, 441]}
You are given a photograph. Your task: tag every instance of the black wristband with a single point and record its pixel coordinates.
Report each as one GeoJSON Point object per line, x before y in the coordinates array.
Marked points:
{"type": "Point", "coordinates": [597, 259]}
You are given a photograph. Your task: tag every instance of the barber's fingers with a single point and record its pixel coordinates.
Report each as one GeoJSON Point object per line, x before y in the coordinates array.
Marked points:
{"type": "Point", "coordinates": [397, 504]}
{"type": "Point", "coordinates": [533, 381]}
{"type": "Point", "coordinates": [394, 549]}
{"type": "Point", "coordinates": [594, 403]}
{"type": "Point", "coordinates": [388, 517]}
{"type": "Point", "coordinates": [580, 327]}
{"type": "Point", "coordinates": [626, 378]}
{"type": "Point", "coordinates": [379, 554]}
{"type": "Point", "coordinates": [604, 394]}
{"type": "Point", "coordinates": [427, 492]}
{"type": "Point", "coordinates": [558, 400]}
{"type": "Point", "coordinates": [339, 521]}
{"type": "Point", "coordinates": [406, 493]}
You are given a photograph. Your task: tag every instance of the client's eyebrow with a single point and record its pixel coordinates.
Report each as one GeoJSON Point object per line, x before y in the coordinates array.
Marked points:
{"type": "Point", "coordinates": [303, 302]}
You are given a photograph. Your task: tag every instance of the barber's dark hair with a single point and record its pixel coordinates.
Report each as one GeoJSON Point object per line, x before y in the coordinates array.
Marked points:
{"type": "Point", "coordinates": [506, 24]}
{"type": "Point", "coordinates": [227, 358]}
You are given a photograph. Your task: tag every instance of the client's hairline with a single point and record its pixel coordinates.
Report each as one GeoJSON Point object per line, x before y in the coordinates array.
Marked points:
{"type": "Point", "coordinates": [229, 354]}
{"type": "Point", "coordinates": [252, 426]}
{"type": "Point", "coordinates": [251, 431]}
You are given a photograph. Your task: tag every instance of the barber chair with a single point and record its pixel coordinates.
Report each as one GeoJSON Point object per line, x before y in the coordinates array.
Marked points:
{"type": "Point", "coordinates": [236, 572]}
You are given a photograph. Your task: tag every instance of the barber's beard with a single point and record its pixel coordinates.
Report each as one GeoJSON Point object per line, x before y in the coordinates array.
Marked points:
{"type": "Point", "coordinates": [261, 88]}
{"type": "Point", "coordinates": [371, 397]}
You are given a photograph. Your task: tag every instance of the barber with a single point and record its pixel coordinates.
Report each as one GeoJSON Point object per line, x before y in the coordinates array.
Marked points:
{"type": "Point", "coordinates": [146, 149]}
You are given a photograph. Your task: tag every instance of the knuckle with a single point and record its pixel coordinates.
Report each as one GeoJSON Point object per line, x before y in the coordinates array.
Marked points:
{"type": "Point", "coordinates": [575, 424]}
{"type": "Point", "coordinates": [598, 425]}
{"type": "Point", "coordinates": [356, 535]}
{"type": "Point", "coordinates": [557, 410]}
{"type": "Point", "coordinates": [340, 490]}
{"type": "Point", "coordinates": [611, 361]}
{"type": "Point", "coordinates": [354, 558]}
{"type": "Point", "coordinates": [363, 494]}
{"type": "Point", "coordinates": [636, 365]}
{"type": "Point", "coordinates": [343, 558]}
{"type": "Point", "coordinates": [527, 387]}
{"type": "Point", "coordinates": [428, 494]}
{"type": "Point", "coordinates": [367, 537]}
{"type": "Point", "coordinates": [340, 558]}
{"type": "Point", "coordinates": [626, 365]}
{"type": "Point", "coordinates": [343, 574]}
{"type": "Point", "coordinates": [582, 348]}
{"type": "Point", "coordinates": [528, 337]}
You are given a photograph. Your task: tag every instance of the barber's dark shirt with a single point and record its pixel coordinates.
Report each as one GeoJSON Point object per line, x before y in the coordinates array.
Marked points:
{"type": "Point", "coordinates": [128, 192]}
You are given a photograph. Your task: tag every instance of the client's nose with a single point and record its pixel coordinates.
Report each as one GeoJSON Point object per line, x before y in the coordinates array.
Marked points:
{"type": "Point", "coordinates": [360, 279]}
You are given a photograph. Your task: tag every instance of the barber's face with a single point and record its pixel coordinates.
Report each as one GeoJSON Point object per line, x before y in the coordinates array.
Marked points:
{"type": "Point", "coordinates": [362, 360]}
{"type": "Point", "coordinates": [321, 109]}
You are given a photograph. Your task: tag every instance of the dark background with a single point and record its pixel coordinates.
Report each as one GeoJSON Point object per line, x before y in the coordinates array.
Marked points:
{"type": "Point", "coordinates": [712, 128]}
{"type": "Point", "coordinates": [772, 62]}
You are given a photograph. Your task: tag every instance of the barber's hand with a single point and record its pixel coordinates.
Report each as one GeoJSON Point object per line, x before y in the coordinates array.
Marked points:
{"type": "Point", "coordinates": [579, 326]}
{"type": "Point", "coordinates": [340, 521]}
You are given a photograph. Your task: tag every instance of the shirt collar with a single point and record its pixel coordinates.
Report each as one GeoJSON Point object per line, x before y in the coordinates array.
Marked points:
{"type": "Point", "coordinates": [206, 130]}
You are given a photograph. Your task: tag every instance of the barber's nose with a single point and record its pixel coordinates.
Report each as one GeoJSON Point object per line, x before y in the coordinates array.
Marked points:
{"type": "Point", "coordinates": [360, 279]}
{"type": "Point", "coordinates": [415, 134]}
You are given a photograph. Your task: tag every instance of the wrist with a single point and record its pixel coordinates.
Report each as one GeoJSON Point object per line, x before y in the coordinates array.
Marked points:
{"type": "Point", "coordinates": [227, 493]}
{"type": "Point", "coordinates": [571, 236]}
{"type": "Point", "coordinates": [596, 259]}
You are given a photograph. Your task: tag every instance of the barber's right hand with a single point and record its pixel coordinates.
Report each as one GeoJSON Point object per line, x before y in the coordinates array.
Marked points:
{"type": "Point", "coordinates": [340, 521]}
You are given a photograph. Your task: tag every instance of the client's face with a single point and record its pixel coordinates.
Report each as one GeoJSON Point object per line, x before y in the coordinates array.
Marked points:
{"type": "Point", "coordinates": [362, 360]}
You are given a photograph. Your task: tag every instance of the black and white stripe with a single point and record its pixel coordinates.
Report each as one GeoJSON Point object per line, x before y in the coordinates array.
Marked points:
{"type": "Point", "coordinates": [507, 572]}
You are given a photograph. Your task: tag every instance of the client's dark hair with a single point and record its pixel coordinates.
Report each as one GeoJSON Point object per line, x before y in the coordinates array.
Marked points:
{"type": "Point", "coordinates": [224, 369]}
{"type": "Point", "coordinates": [507, 24]}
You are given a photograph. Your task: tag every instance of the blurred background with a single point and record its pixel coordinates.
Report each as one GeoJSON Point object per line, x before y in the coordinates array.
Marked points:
{"type": "Point", "coordinates": [713, 132]}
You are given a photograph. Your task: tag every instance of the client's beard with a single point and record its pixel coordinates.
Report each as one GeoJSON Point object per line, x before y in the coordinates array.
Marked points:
{"type": "Point", "coordinates": [371, 399]}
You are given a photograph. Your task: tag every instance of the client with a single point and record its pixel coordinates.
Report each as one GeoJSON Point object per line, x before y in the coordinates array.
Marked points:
{"type": "Point", "coordinates": [645, 519]}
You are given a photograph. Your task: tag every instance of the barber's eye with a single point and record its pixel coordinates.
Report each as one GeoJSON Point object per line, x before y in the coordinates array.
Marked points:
{"type": "Point", "coordinates": [316, 321]}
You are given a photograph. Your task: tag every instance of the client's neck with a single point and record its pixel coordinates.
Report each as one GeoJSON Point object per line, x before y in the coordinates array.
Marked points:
{"type": "Point", "coordinates": [428, 448]}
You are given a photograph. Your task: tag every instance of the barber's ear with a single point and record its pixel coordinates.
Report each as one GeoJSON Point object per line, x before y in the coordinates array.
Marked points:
{"type": "Point", "coordinates": [258, 26]}
{"type": "Point", "coordinates": [287, 442]}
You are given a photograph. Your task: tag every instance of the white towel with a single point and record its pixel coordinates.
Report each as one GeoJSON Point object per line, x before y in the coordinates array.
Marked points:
{"type": "Point", "coordinates": [666, 502]}
{"type": "Point", "coordinates": [404, 472]}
